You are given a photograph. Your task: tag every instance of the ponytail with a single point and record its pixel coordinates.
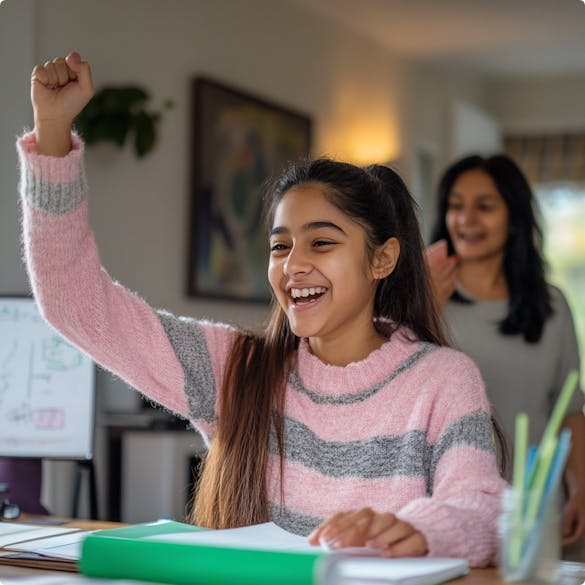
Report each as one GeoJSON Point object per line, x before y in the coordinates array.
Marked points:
{"type": "Point", "coordinates": [405, 296]}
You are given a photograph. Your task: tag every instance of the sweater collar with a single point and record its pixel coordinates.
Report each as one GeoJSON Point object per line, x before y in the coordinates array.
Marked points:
{"type": "Point", "coordinates": [357, 377]}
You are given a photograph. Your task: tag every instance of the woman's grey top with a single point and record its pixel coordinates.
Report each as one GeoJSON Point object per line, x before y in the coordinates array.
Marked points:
{"type": "Point", "coordinates": [519, 376]}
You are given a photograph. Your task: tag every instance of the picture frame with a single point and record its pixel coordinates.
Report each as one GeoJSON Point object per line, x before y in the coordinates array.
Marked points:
{"type": "Point", "coordinates": [240, 141]}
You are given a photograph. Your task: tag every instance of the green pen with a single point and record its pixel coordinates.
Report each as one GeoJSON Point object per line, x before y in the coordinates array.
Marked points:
{"type": "Point", "coordinates": [554, 423]}
{"type": "Point", "coordinates": [518, 483]}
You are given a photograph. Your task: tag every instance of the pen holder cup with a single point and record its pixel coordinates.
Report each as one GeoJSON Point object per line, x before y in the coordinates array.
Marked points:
{"type": "Point", "coordinates": [529, 551]}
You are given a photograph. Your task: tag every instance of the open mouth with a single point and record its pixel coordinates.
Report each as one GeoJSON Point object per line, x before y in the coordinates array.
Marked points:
{"type": "Point", "coordinates": [470, 237]}
{"type": "Point", "coordinates": [302, 296]}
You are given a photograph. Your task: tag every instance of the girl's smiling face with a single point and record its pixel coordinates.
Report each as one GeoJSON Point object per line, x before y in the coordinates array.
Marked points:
{"type": "Point", "coordinates": [320, 268]}
{"type": "Point", "coordinates": [477, 217]}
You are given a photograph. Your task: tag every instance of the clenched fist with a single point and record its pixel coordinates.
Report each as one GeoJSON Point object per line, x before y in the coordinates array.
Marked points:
{"type": "Point", "coordinates": [60, 89]}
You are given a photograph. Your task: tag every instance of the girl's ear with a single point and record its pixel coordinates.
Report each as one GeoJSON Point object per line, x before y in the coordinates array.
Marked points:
{"type": "Point", "coordinates": [385, 258]}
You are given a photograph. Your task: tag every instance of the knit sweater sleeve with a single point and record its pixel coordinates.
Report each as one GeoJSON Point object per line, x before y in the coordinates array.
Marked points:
{"type": "Point", "coordinates": [458, 516]}
{"type": "Point", "coordinates": [78, 297]}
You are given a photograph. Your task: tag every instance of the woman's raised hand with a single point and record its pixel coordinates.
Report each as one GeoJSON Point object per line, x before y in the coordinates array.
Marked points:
{"type": "Point", "coordinates": [60, 89]}
{"type": "Point", "coordinates": [442, 271]}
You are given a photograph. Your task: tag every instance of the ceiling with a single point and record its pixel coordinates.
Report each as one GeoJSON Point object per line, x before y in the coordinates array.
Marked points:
{"type": "Point", "coordinates": [490, 37]}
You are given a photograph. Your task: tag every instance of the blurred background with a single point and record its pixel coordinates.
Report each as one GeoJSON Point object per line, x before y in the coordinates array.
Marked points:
{"type": "Point", "coordinates": [411, 83]}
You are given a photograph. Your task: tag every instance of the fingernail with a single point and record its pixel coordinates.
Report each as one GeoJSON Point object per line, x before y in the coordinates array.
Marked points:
{"type": "Point", "coordinates": [330, 544]}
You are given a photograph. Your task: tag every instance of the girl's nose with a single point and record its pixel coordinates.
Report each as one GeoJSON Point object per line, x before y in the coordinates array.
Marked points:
{"type": "Point", "coordinates": [296, 262]}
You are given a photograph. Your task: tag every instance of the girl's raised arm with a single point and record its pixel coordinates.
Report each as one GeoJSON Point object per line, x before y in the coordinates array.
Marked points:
{"type": "Point", "coordinates": [60, 89]}
{"type": "Point", "coordinates": [166, 358]}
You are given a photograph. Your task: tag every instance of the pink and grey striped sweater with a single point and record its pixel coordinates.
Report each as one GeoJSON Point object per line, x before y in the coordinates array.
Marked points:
{"type": "Point", "coordinates": [407, 430]}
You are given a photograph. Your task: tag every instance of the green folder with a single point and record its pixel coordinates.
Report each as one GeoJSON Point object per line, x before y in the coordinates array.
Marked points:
{"type": "Point", "coordinates": [123, 553]}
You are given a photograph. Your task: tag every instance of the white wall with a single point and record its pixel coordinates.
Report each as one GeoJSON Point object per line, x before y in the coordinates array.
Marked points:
{"type": "Point", "coordinates": [17, 33]}
{"type": "Point", "coordinates": [538, 103]}
{"type": "Point", "coordinates": [428, 121]}
{"type": "Point", "coordinates": [366, 104]}
{"type": "Point", "coordinates": [474, 131]}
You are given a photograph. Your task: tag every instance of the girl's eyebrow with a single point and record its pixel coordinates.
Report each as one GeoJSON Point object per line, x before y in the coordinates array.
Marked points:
{"type": "Point", "coordinates": [312, 225]}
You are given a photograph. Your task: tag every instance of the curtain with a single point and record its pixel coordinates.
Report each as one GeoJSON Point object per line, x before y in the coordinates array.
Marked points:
{"type": "Point", "coordinates": [549, 157]}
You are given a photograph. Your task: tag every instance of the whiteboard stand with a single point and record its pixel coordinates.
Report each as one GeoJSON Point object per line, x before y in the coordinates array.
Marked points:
{"type": "Point", "coordinates": [85, 468]}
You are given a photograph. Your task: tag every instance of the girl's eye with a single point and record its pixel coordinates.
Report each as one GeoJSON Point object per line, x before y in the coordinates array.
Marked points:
{"type": "Point", "coordinates": [277, 247]}
{"type": "Point", "coordinates": [321, 243]}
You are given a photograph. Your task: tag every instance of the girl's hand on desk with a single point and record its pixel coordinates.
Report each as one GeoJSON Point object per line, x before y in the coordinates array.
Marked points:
{"type": "Point", "coordinates": [366, 528]}
{"type": "Point", "coordinates": [60, 89]}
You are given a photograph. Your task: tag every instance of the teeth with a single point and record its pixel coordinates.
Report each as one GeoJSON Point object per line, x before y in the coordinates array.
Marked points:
{"type": "Point", "coordinates": [297, 293]}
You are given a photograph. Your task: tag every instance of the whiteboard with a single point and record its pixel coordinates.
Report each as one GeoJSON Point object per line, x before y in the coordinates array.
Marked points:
{"type": "Point", "coordinates": [47, 387]}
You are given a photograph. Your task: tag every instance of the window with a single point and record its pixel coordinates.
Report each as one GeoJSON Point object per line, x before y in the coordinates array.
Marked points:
{"type": "Point", "coordinates": [563, 211]}
{"type": "Point", "coordinates": [555, 165]}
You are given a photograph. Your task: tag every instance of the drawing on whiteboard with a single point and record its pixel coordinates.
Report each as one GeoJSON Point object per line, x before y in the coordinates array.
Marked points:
{"type": "Point", "coordinates": [60, 355]}
{"type": "Point", "coordinates": [4, 369]}
{"type": "Point", "coordinates": [57, 356]}
{"type": "Point", "coordinates": [41, 418]}
{"type": "Point", "coordinates": [48, 418]}
{"type": "Point", "coordinates": [21, 414]}
{"type": "Point", "coordinates": [8, 313]}
{"type": "Point", "coordinates": [46, 387]}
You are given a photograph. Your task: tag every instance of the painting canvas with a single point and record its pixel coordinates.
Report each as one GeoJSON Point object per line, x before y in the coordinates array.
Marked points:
{"type": "Point", "coordinates": [240, 142]}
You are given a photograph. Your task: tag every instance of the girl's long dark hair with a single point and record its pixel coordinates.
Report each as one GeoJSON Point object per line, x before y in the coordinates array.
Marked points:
{"type": "Point", "coordinates": [232, 490]}
{"type": "Point", "coordinates": [524, 267]}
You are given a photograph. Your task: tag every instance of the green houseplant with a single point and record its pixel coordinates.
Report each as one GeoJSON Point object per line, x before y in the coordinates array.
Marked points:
{"type": "Point", "coordinates": [115, 113]}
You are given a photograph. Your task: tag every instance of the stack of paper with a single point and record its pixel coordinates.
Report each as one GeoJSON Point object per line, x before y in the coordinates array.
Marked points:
{"type": "Point", "coordinates": [49, 547]}
{"type": "Point", "coordinates": [177, 553]}
{"type": "Point", "coordinates": [171, 552]}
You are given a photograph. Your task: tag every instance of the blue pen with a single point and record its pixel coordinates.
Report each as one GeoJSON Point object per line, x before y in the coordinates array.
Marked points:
{"type": "Point", "coordinates": [534, 540]}
{"type": "Point", "coordinates": [557, 466]}
{"type": "Point", "coordinates": [530, 460]}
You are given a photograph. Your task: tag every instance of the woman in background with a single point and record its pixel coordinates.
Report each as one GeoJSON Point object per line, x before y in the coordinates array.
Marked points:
{"type": "Point", "coordinates": [488, 275]}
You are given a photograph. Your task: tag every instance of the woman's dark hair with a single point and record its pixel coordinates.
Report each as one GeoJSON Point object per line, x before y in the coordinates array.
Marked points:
{"type": "Point", "coordinates": [232, 489]}
{"type": "Point", "coordinates": [524, 266]}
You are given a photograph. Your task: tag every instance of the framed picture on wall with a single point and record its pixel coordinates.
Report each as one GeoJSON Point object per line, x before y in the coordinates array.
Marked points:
{"type": "Point", "coordinates": [240, 141]}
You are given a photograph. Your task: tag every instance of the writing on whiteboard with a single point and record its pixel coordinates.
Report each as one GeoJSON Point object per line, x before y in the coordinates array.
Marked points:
{"type": "Point", "coordinates": [46, 387]}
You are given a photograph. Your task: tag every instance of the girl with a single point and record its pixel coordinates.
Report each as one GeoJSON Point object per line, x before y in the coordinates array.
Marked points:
{"type": "Point", "coordinates": [488, 273]}
{"type": "Point", "coordinates": [347, 419]}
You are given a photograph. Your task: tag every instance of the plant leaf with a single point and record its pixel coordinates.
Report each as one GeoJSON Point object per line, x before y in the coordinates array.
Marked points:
{"type": "Point", "coordinates": [114, 112]}
{"type": "Point", "coordinates": [121, 98]}
{"type": "Point", "coordinates": [145, 137]}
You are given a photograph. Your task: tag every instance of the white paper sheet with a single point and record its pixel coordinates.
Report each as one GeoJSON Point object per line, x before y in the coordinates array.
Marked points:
{"type": "Point", "coordinates": [340, 570]}
{"type": "Point", "coordinates": [266, 536]}
{"type": "Point", "coordinates": [65, 546]}
{"type": "Point", "coordinates": [12, 533]}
